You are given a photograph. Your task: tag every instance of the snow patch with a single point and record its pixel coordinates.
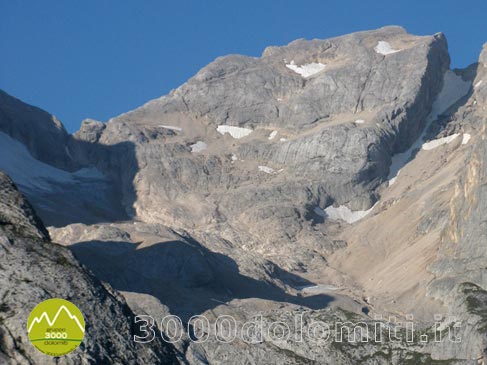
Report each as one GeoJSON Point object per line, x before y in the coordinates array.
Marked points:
{"type": "Point", "coordinates": [438, 142]}
{"type": "Point", "coordinates": [171, 127]}
{"type": "Point", "coordinates": [234, 157]}
{"type": "Point", "coordinates": [282, 139]}
{"type": "Point", "coordinates": [478, 84]}
{"type": "Point", "coordinates": [198, 147]}
{"type": "Point", "coordinates": [306, 70]}
{"type": "Point", "coordinates": [342, 213]}
{"type": "Point", "coordinates": [272, 135]}
{"type": "Point", "coordinates": [454, 88]}
{"type": "Point", "coordinates": [235, 132]}
{"type": "Point", "coordinates": [359, 121]}
{"type": "Point", "coordinates": [466, 138]}
{"type": "Point", "coordinates": [385, 48]}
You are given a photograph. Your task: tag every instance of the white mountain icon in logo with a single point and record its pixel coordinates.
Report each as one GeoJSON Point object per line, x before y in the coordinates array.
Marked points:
{"type": "Point", "coordinates": [45, 316]}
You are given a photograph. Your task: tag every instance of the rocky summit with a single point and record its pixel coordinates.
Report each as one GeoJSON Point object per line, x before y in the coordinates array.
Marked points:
{"type": "Point", "coordinates": [337, 180]}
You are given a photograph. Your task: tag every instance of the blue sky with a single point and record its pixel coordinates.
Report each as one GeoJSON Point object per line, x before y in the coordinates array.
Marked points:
{"type": "Point", "coordinates": [97, 59]}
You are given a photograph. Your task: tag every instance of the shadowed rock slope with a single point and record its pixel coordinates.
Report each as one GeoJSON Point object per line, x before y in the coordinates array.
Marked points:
{"type": "Point", "coordinates": [33, 269]}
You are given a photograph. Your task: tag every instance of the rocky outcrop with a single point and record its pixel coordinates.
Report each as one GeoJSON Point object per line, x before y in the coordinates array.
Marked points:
{"type": "Point", "coordinates": [483, 55]}
{"type": "Point", "coordinates": [17, 214]}
{"type": "Point", "coordinates": [33, 269]}
{"type": "Point", "coordinates": [90, 131]}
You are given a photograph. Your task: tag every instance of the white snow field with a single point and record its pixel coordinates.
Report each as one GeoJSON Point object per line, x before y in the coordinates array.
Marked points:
{"type": "Point", "coordinates": [466, 137]}
{"type": "Point", "coordinates": [345, 214]}
{"type": "Point", "coordinates": [359, 121]}
{"type": "Point", "coordinates": [198, 147]}
{"type": "Point", "coordinates": [306, 70]}
{"type": "Point", "coordinates": [26, 171]}
{"type": "Point", "coordinates": [454, 88]}
{"type": "Point", "coordinates": [342, 212]}
{"type": "Point", "coordinates": [272, 135]}
{"type": "Point", "coordinates": [235, 132]}
{"type": "Point", "coordinates": [477, 85]}
{"type": "Point", "coordinates": [431, 145]}
{"type": "Point", "coordinates": [384, 48]}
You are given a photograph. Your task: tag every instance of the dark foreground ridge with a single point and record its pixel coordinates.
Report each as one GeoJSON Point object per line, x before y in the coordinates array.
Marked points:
{"type": "Point", "coordinates": [34, 269]}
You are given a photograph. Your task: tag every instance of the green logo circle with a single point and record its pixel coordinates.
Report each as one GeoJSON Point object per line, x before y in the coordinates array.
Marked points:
{"type": "Point", "coordinates": [56, 327]}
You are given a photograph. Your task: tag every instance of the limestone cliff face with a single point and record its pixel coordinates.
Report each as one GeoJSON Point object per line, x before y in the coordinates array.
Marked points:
{"type": "Point", "coordinates": [460, 271]}
{"type": "Point", "coordinates": [321, 153]}
{"type": "Point", "coordinates": [34, 269]}
{"type": "Point", "coordinates": [322, 119]}
{"type": "Point", "coordinates": [483, 56]}
{"type": "Point", "coordinates": [464, 238]}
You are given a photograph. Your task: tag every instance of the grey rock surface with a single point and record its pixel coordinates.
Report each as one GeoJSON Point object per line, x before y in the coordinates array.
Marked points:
{"type": "Point", "coordinates": [483, 55]}
{"type": "Point", "coordinates": [90, 131]}
{"type": "Point", "coordinates": [16, 213]}
{"type": "Point", "coordinates": [326, 158]}
{"type": "Point", "coordinates": [460, 271]}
